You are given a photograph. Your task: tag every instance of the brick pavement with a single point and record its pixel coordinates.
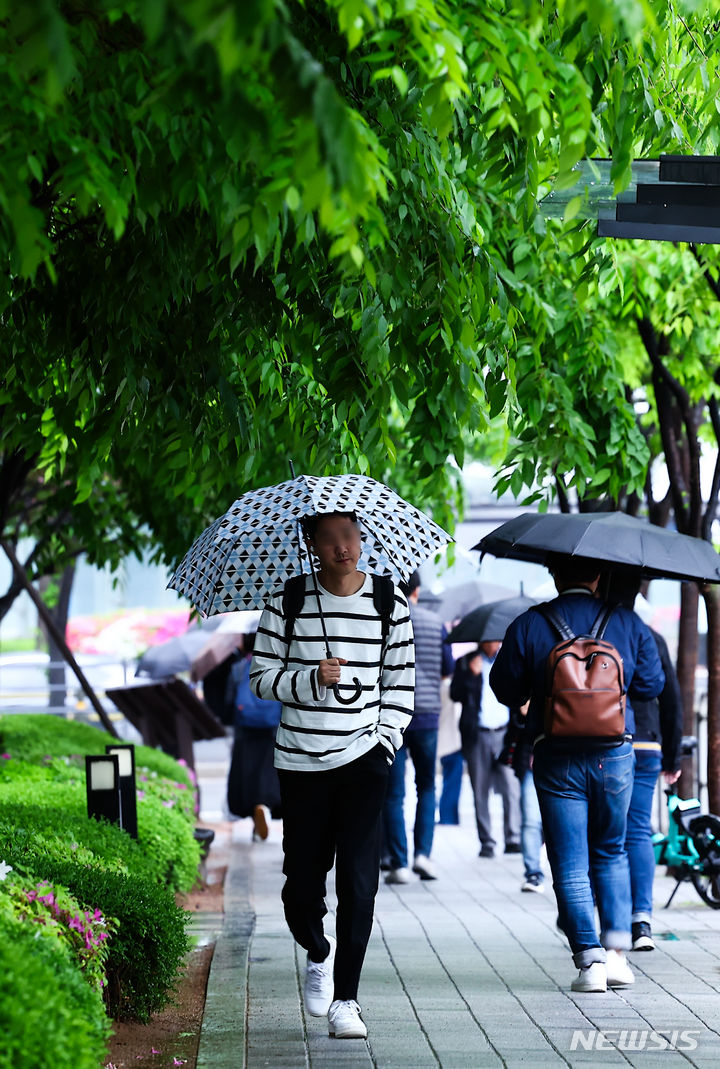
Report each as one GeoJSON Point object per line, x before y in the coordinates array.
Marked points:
{"type": "Point", "coordinates": [464, 971]}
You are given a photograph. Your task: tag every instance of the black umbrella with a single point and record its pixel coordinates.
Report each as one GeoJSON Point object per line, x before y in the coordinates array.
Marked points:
{"type": "Point", "coordinates": [488, 623]}
{"type": "Point", "coordinates": [611, 537]}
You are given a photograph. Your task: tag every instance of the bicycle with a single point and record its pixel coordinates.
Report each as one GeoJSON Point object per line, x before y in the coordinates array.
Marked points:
{"type": "Point", "coordinates": [691, 847]}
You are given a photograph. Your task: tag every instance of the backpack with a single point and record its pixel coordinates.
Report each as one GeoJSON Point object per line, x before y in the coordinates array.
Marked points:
{"type": "Point", "coordinates": [585, 685]}
{"type": "Point", "coordinates": [294, 599]}
{"type": "Point", "coordinates": [251, 711]}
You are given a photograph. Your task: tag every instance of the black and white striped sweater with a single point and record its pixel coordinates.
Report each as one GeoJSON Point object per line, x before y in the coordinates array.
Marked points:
{"type": "Point", "coordinates": [317, 732]}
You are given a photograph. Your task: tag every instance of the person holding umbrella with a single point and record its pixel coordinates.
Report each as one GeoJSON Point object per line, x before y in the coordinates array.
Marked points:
{"type": "Point", "coordinates": [333, 751]}
{"type": "Point", "coordinates": [583, 784]}
{"type": "Point", "coordinates": [657, 742]}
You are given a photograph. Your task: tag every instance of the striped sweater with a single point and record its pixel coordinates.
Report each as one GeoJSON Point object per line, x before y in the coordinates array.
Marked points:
{"type": "Point", "coordinates": [317, 732]}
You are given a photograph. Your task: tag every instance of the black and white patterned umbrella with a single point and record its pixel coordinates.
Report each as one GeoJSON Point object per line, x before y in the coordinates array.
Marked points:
{"type": "Point", "coordinates": [242, 556]}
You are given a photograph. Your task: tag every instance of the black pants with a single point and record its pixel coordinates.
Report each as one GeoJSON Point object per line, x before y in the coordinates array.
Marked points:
{"type": "Point", "coordinates": [334, 815]}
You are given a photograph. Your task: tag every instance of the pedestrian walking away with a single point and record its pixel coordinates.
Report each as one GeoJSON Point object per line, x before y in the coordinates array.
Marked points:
{"type": "Point", "coordinates": [433, 663]}
{"type": "Point", "coordinates": [583, 773]}
{"type": "Point", "coordinates": [253, 789]}
{"type": "Point", "coordinates": [483, 723]}
{"type": "Point", "coordinates": [342, 665]}
{"type": "Point", "coordinates": [449, 751]}
{"type": "Point", "coordinates": [657, 745]}
{"type": "Point", "coordinates": [517, 753]}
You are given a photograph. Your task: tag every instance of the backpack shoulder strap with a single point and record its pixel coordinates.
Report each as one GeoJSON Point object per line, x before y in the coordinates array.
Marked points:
{"type": "Point", "coordinates": [556, 620]}
{"type": "Point", "coordinates": [384, 600]}
{"type": "Point", "coordinates": [292, 603]}
{"type": "Point", "coordinates": [601, 621]}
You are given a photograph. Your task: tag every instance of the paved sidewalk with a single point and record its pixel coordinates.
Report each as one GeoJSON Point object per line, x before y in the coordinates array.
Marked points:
{"type": "Point", "coordinates": [464, 971]}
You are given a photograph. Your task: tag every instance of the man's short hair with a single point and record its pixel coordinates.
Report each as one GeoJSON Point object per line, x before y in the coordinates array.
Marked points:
{"type": "Point", "coordinates": [310, 523]}
{"type": "Point", "coordinates": [621, 587]}
{"type": "Point", "coordinates": [412, 584]}
{"type": "Point", "coordinates": [569, 569]}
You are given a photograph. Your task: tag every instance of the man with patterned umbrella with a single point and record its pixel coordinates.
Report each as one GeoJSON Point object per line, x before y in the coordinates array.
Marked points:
{"type": "Point", "coordinates": [336, 648]}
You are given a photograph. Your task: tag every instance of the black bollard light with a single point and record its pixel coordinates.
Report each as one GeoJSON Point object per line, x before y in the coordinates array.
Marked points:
{"type": "Point", "coordinates": [102, 785]}
{"type": "Point", "coordinates": [125, 753]}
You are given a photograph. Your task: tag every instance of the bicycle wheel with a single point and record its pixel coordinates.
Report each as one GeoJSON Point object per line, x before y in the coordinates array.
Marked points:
{"type": "Point", "coordinates": [705, 832]}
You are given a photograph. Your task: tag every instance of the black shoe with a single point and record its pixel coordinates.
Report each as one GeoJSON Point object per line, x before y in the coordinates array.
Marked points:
{"type": "Point", "coordinates": [513, 848]}
{"type": "Point", "coordinates": [642, 936]}
{"type": "Point", "coordinates": [487, 851]}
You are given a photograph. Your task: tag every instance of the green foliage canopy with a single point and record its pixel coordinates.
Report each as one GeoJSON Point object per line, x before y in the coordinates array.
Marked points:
{"type": "Point", "coordinates": [236, 232]}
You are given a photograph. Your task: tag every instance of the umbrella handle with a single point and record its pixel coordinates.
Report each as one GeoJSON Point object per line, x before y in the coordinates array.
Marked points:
{"type": "Point", "coordinates": [353, 697]}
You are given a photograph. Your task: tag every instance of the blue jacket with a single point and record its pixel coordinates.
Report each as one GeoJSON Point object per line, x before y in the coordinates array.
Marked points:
{"type": "Point", "coordinates": [518, 673]}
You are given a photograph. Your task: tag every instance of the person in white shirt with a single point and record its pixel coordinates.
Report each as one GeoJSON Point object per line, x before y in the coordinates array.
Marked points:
{"type": "Point", "coordinates": [483, 723]}
{"type": "Point", "coordinates": [343, 717]}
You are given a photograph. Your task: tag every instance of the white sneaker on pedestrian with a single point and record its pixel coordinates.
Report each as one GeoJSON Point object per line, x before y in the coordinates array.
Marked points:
{"type": "Point", "coordinates": [591, 978]}
{"type": "Point", "coordinates": [319, 983]}
{"type": "Point", "coordinates": [424, 868]}
{"type": "Point", "coordinates": [344, 1020]}
{"type": "Point", "coordinates": [619, 973]}
{"type": "Point", "coordinates": [398, 876]}
{"type": "Point", "coordinates": [534, 883]}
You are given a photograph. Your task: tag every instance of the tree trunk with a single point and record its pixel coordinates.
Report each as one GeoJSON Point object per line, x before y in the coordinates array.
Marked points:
{"type": "Point", "coordinates": [59, 638]}
{"type": "Point", "coordinates": [57, 693]}
{"type": "Point", "coordinates": [712, 605]}
{"type": "Point", "coordinates": [687, 659]}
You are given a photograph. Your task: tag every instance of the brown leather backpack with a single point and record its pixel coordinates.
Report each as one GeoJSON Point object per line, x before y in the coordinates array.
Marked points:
{"type": "Point", "coordinates": [585, 684]}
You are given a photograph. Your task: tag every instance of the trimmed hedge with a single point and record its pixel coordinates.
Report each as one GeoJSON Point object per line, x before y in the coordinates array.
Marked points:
{"type": "Point", "coordinates": [49, 1015]}
{"type": "Point", "coordinates": [89, 866]}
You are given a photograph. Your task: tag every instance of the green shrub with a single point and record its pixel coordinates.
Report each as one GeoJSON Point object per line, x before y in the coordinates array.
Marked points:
{"type": "Point", "coordinates": [53, 912]}
{"type": "Point", "coordinates": [44, 812]}
{"type": "Point", "coordinates": [49, 820]}
{"type": "Point", "coordinates": [48, 1014]}
{"type": "Point", "coordinates": [46, 835]}
{"type": "Point", "coordinates": [147, 951]}
{"type": "Point", "coordinates": [34, 737]}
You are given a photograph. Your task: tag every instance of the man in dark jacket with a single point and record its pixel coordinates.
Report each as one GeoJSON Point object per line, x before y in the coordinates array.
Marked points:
{"type": "Point", "coordinates": [657, 744]}
{"type": "Point", "coordinates": [433, 662]}
{"type": "Point", "coordinates": [583, 786]}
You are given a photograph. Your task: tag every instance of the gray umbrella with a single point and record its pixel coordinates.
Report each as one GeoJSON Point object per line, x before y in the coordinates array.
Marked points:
{"type": "Point", "coordinates": [454, 601]}
{"type": "Point", "coordinates": [488, 623]}
{"type": "Point", "coordinates": [610, 537]}
{"type": "Point", "coordinates": [174, 656]}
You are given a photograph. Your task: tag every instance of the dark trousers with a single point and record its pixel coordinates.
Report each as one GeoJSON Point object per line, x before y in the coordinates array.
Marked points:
{"type": "Point", "coordinates": [334, 815]}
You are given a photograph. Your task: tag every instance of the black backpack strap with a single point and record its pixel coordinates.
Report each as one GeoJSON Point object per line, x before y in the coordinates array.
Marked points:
{"type": "Point", "coordinates": [601, 621]}
{"type": "Point", "coordinates": [556, 620]}
{"type": "Point", "coordinates": [292, 603]}
{"type": "Point", "coordinates": [384, 601]}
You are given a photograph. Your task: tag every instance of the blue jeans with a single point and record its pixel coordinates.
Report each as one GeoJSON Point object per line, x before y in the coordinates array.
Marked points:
{"type": "Point", "coordinates": [584, 797]}
{"type": "Point", "coordinates": [531, 834]}
{"type": "Point", "coordinates": [452, 765]}
{"type": "Point", "coordinates": [422, 747]}
{"type": "Point", "coordinates": [638, 841]}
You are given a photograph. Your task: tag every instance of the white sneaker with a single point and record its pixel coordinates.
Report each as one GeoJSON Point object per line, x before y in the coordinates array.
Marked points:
{"type": "Point", "coordinates": [319, 983]}
{"type": "Point", "coordinates": [345, 1022]}
{"type": "Point", "coordinates": [591, 978]}
{"type": "Point", "coordinates": [424, 868]}
{"type": "Point", "coordinates": [619, 973]}
{"type": "Point", "coordinates": [398, 876]}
